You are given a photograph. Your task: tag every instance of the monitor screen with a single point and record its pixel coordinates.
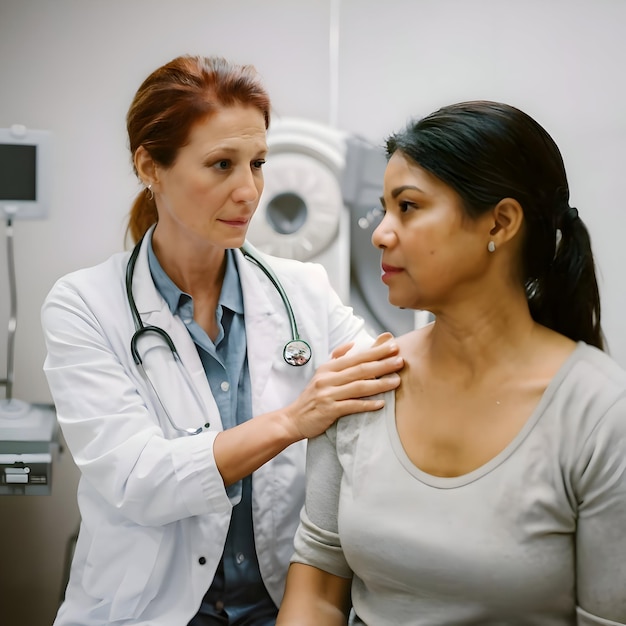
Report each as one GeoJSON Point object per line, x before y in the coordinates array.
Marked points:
{"type": "Point", "coordinates": [25, 172]}
{"type": "Point", "coordinates": [18, 170]}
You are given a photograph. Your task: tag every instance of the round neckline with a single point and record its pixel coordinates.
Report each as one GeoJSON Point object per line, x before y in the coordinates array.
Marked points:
{"type": "Point", "coordinates": [452, 482]}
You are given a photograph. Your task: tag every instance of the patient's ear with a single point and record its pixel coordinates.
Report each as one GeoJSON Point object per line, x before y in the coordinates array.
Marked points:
{"type": "Point", "coordinates": [507, 219]}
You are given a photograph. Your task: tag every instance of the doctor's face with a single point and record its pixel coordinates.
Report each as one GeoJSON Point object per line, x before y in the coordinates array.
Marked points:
{"type": "Point", "coordinates": [212, 190]}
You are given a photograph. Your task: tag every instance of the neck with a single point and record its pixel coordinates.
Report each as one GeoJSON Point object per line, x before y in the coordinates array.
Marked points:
{"type": "Point", "coordinates": [195, 269]}
{"type": "Point", "coordinates": [469, 343]}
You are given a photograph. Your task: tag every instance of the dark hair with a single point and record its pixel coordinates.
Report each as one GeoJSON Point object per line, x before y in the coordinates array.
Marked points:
{"type": "Point", "coordinates": [487, 151]}
{"type": "Point", "coordinates": [174, 98]}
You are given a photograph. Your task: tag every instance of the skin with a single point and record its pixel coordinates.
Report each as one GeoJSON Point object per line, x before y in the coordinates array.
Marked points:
{"type": "Point", "coordinates": [473, 377]}
{"type": "Point", "coordinates": [205, 201]}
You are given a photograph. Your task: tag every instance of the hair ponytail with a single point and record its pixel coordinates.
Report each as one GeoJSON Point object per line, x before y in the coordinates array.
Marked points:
{"type": "Point", "coordinates": [566, 297]}
{"type": "Point", "coordinates": [143, 214]}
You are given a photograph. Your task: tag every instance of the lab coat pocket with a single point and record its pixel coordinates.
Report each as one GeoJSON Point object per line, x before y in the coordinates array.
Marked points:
{"type": "Point", "coordinates": [118, 572]}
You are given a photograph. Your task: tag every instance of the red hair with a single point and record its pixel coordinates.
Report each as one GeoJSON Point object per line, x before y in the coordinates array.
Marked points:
{"type": "Point", "coordinates": [171, 101]}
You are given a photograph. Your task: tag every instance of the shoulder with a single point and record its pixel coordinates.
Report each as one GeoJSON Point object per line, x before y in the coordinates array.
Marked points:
{"type": "Point", "coordinates": [589, 394]}
{"type": "Point", "coordinates": [356, 436]}
{"type": "Point", "coordinates": [594, 408]}
{"type": "Point", "coordinates": [593, 378]}
{"type": "Point", "coordinates": [592, 402]}
{"type": "Point", "coordinates": [102, 281]}
{"type": "Point", "coordinates": [85, 277]}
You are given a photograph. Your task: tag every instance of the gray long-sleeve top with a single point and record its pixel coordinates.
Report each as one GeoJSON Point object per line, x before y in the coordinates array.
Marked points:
{"type": "Point", "coordinates": [535, 536]}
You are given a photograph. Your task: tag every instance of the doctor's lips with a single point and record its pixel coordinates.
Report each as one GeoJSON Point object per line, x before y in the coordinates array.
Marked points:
{"type": "Point", "coordinates": [388, 271]}
{"type": "Point", "coordinates": [242, 221]}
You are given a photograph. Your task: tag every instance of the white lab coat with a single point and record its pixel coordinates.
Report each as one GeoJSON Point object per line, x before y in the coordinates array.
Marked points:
{"type": "Point", "coordinates": [154, 510]}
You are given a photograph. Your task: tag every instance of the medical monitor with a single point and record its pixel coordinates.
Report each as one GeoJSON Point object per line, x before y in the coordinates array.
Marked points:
{"type": "Point", "coordinates": [25, 173]}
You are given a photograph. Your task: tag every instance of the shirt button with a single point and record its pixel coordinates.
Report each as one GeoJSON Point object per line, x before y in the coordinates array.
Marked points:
{"type": "Point", "coordinates": [225, 386]}
{"type": "Point", "coordinates": [187, 320]}
{"type": "Point", "coordinates": [202, 560]}
{"type": "Point", "coordinates": [240, 558]}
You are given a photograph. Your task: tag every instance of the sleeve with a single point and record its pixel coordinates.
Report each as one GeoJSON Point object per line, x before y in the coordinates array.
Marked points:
{"type": "Point", "coordinates": [112, 434]}
{"type": "Point", "coordinates": [317, 538]}
{"type": "Point", "coordinates": [347, 326]}
{"type": "Point", "coordinates": [601, 529]}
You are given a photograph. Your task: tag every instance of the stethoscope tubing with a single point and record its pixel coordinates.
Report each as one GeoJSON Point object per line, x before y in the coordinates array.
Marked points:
{"type": "Point", "coordinates": [296, 351]}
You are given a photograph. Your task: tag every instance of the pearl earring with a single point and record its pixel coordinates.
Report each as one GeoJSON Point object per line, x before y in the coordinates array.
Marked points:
{"type": "Point", "coordinates": [491, 246]}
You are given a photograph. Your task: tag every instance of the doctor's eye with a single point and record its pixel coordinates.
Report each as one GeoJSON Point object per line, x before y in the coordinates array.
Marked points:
{"type": "Point", "coordinates": [222, 164]}
{"type": "Point", "coordinates": [258, 164]}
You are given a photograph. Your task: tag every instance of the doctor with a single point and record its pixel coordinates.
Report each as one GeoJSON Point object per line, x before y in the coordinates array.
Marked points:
{"type": "Point", "coordinates": [188, 377]}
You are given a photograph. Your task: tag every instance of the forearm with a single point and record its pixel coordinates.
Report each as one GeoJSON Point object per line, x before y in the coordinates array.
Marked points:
{"type": "Point", "coordinates": [314, 597]}
{"type": "Point", "coordinates": [241, 450]}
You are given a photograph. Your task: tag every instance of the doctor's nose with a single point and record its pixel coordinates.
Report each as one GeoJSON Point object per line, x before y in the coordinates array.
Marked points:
{"type": "Point", "coordinates": [248, 187]}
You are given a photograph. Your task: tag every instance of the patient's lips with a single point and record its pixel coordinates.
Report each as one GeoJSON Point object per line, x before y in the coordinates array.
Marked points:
{"type": "Point", "coordinates": [389, 271]}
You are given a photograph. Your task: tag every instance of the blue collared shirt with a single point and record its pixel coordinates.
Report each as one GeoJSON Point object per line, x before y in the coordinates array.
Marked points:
{"type": "Point", "coordinates": [237, 588]}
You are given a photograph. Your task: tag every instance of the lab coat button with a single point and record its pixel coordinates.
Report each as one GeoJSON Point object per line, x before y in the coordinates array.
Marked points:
{"type": "Point", "coordinates": [225, 386]}
{"type": "Point", "coordinates": [202, 560]}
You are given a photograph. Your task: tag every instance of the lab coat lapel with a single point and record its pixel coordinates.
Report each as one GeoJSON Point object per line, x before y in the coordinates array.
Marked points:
{"type": "Point", "coordinates": [263, 324]}
{"type": "Point", "coordinates": [154, 311]}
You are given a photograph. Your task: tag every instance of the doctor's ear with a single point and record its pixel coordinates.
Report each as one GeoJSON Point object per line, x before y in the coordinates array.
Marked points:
{"type": "Point", "coordinates": [145, 166]}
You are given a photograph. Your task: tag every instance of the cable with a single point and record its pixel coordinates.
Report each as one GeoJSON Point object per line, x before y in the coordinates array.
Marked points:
{"type": "Point", "coordinates": [333, 59]}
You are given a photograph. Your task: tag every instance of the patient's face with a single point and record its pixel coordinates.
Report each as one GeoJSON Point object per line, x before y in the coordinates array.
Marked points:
{"type": "Point", "coordinates": [431, 251]}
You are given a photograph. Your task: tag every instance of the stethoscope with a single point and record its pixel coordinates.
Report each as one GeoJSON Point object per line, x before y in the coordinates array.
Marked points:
{"type": "Point", "coordinates": [296, 351]}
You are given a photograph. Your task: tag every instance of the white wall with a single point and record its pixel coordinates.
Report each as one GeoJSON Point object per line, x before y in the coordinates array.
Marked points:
{"type": "Point", "coordinates": [71, 66]}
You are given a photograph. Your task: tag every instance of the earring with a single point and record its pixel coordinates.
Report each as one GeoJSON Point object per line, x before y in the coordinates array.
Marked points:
{"type": "Point", "coordinates": [149, 191]}
{"type": "Point", "coordinates": [491, 246]}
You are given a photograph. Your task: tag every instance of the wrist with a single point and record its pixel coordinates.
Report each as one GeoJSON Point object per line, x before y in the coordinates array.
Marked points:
{"type": "Point", "coordinates": [287, 426]}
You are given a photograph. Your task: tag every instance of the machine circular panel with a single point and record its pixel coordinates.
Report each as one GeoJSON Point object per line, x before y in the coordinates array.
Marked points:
{"type": "Point", "coordinates": [298, 215]}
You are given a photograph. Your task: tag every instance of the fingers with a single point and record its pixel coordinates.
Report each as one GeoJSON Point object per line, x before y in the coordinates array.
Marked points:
{"type": "Point", "coordinates": [346, 384]}
{"type": "Point", "coordinates": [382, 338]}
{"type": "Point", "coordinates": [384, 347]}
{"type": "Point", "coordinates": [379, 341]}
{"type": "Point", "coordinates": [361, 370]}
{"type": "Point", "coordinates": [321, 404]}
{"type": "Point", "coordinates": [361, 389]}
{"type": "Point", "coordinates": [341, 350]}
{"type": "Point", "coordinates": [370, 370]}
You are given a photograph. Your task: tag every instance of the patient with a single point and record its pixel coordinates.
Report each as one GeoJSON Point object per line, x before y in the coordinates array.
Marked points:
{"type": "Point", "coordinates": [492, 487]}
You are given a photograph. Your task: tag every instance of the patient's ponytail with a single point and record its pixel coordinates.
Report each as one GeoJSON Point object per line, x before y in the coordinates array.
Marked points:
{"type": "Point", "coordinates": [565, 297]}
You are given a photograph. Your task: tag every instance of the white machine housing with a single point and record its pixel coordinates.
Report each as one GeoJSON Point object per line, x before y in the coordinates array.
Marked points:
{"type": "Point", "coordinates": [301, 214]}
{"type": "Point", "coordinates": [321, 203]}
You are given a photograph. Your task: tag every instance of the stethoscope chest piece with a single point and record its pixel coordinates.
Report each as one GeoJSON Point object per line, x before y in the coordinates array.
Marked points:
{"type": "Point", "coordinates": [297, 352]}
